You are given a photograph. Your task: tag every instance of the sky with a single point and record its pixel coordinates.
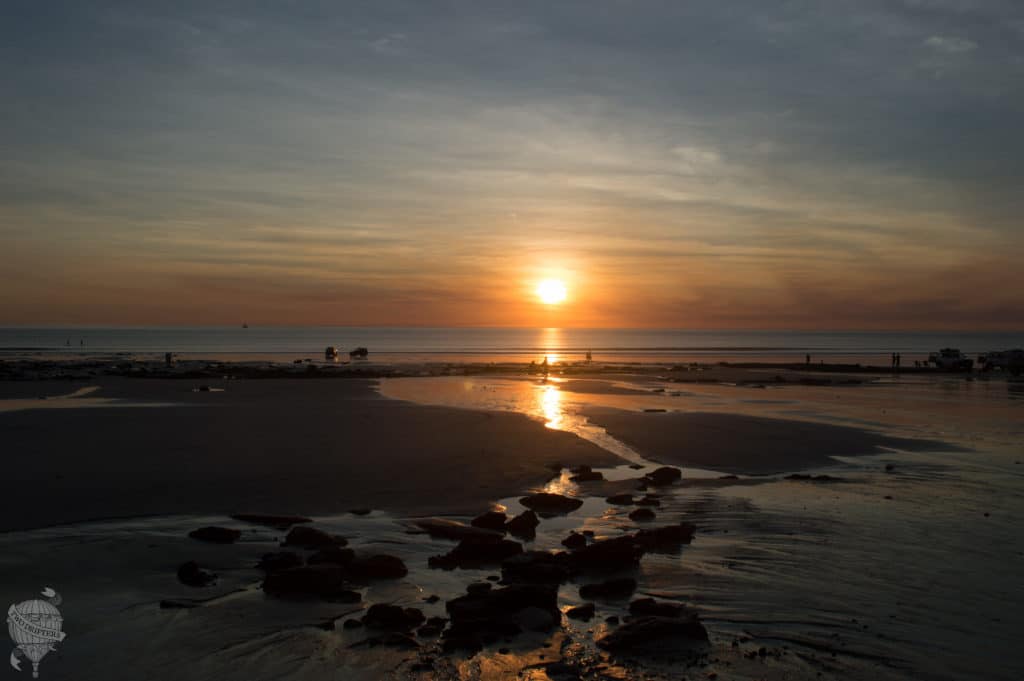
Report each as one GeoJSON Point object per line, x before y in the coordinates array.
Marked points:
{"type": "Point", "coordinates": [841, 164]}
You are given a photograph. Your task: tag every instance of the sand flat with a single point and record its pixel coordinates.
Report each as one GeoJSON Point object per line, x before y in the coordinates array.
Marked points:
{"type": "Point", "coordinates": [739, 443]}
{"type": "Point", "coordinates": [284, 446]}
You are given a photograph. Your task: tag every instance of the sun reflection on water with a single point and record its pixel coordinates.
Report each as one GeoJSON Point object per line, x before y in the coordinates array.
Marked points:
{"type": "Point", "coordinates": [551, 406]}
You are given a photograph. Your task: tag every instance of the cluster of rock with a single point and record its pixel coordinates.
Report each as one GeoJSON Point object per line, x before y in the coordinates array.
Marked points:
{"type": "Point", "coordinates": [317, 564]}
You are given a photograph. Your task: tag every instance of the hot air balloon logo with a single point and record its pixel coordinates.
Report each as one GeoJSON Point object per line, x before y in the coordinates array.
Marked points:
{"type": "Point", "coordinates": [35, 627]}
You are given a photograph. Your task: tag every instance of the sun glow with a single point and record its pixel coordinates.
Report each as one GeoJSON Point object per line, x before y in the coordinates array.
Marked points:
{"type": "Point", "coordinates": [551, 291]}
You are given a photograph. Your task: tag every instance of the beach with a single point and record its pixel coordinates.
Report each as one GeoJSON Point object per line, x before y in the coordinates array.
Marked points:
{"type": "Point", "coordinates": [814, 539]}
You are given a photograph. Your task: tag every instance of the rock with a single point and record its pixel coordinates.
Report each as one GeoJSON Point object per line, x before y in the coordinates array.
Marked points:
{"type": "Point", "coordinates": [586, 474]}
{"type": "Point", "coordinates": [352, 624]}
{"type": "Point", "coordinates": [544, 502]}
{"type": "Point", "coordinates": [664, 476]}
{"type": "Point", "coordinates": [429, 631]}
{"type": "Point", "coordinates": [648, 500]}
{"type": "Point", "coordinates": [620, 499]}
{"type": "Point", "coordinates": [281, 560]}
{"type": "Point", "coordinates": [376, 567]}
{"type": "Point", "coordinates": [533, 618]}
{"type": "Point", "coordinates": [323, 581]}
{"type": "Point", "coordinates": [360, 511]}
{"type": "Point", "coordinates": [612, 588]}
{"type": "Point", "coordinates": [392, 617]}
{"type": "Point", "coordinates": [654, 634]}
{"type": "Point", "coordinates": [332, 554]}
{"type": "Point", "coordinates": [190, 574]}
{"type": "Point", "coordinates": [642, 515]}
{"type": "Point", "coordinates": [575, 540]}
{"type": "Point", "coordinates": [451, 529]}
{"type": "Point", "coordinates": [491, 520]}
{"type": "Point", "coordinates": [607, 554]}
{"type": "Point", "coordinates": [803, 477]}
{"type": "Point", "coordinates": [535, 567]}
{"type": "Point", "coordinates": [612, 621]}
{"type": "Point", "coordinates": [501, 610]}
{"type": "Point", "coordinates": [476, 553]}
{"type": "Point", "coordinates": [310, 537]}
{"type": "Point", "coordinates": [581, 612]}
{"type": "Point", "coordinates": [669, 537]}
{"type": "Point", "coordinates": [523, 525]}
{"type": "Point", "coordinates": [477, 588]}
{"type": "Point", "coordinates": [216, 535]}
{"type": "Point", "coordinates": [648, 606]}
{"type": "Point", "coordinates": [281, 522]}
{"type": "Point", "coordinates": [393, 639]}
{"type": "Point", "coordinates": [432, 598]}
{"type": "Point", "coordinates": [889, 467]}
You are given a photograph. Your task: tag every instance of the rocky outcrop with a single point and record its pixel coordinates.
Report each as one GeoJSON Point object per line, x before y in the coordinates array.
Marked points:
{"type": "Point", "coordinates": [545, 502]}
{"type": "Point", "coordinates": [216, 535]}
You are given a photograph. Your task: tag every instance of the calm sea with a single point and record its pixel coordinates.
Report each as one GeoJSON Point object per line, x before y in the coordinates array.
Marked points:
{"type": "Point", "coordinates": [493, 344]}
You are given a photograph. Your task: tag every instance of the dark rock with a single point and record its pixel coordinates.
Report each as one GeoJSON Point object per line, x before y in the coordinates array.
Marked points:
{"type": "Point", "coordinates": [491, 520]}
{"type": "Point", "coordinates": [533, 618]}
{"type": "Point", "coordinates": [607, 554]}
{"type": "Point", "coordinates": [669, 537]}
{"type": "Point", "coordinates": [620, 499]}
{"type": "Point", "coordinates": [478, 588]}
{"type": "Point", "coordinates": [432, 598]}
{"type": "Point", "coordinates": [280, 522]}
{"type": "Point", "coordinates": [544, 502]}
{"type": "Point", "coordinates": [179, 604]}
{"type": "Point", "coordinates": [648, 606]}
{"type": "Point", "coordinates": [612, 621]}
{"type": "Point", "coordinates": [651, 634]}
{"type": "Point", "coordinates": [216, 535]}
{"type": "Point", "coordinates": [612, 588]}
{"type": "Point", "coordinates": [889, 467]}
{"type": "Point", "coordinates": [498, 611]}
{"type": "Point", "coordinates": [361, 511]}
{"type": "Point", "coordinates": [666, 475]}
{"type": "Point", "coordinates": [461, 639]}
{"type": "Point", "coordinates": [581, 612]}
{"type": "Point", "coordinates": [476, 552]}
{"type": "Point", "coordinates": [636, 466]}
{"type": "Point", "coordinates": [647, 500]}
{"type": "Point", "coordinates": [523, 525]}
{"type": "Point", "coordinates": [642, 515]}
{"type": "Point", "coordinates": [586, 474]}
{"type": "Point", "coordinates": [376, 567]}
{"type": "Point", "coordinates": [429, 631]}
{"type": "Point", "coordinates": [451, 529]}
{"type": "Point", "coordinates": [392, 617]}
{"type": "Point", "coordinates": [191, 574]}
{"type": "Point", "coordinates": [575, 540]}
{"type": "Point", "coordinates": [332, 554]}
{"type": "Point", "coordinates": [393, 639]}
{"type": "Point", "coordinates": [535, 567]}
{"type": "Point", "coordinates": [310, 537]}
{"type": "Point", "coordinates": [323, 581]}
{"type": "Point", "coordinates": [352, 624]}
{"type": "Point", "coordinates": [281, 560]}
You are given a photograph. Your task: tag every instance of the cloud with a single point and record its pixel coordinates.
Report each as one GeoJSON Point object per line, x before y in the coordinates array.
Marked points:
{"type": "Point", "coordinates": [951, 44]}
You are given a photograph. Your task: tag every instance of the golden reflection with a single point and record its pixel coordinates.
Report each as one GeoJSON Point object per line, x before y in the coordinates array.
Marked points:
{"type": "Point", "coordinates": [551, 406]}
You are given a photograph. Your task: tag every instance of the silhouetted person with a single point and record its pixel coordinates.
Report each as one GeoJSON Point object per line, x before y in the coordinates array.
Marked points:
{"type": "Point", "coordinates": [898, 358]}
{"type": "Point", "coordinates": [544, 366]}
{"type": "Point", "coordinates": [808, 359]}
{"type": "Point", "coordinates": [589, 356]}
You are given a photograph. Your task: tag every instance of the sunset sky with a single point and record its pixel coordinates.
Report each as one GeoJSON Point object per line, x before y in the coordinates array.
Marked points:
{"type": "Point", "coordinates": [755, 164]}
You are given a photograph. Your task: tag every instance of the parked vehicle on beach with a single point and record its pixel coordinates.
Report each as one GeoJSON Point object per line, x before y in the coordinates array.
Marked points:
{"type": "Point", "coordinates": [359, 353]}
{"type": "Point", "coordinates": [951, 359]}
{"type": "Point", "coordinates": [1007, 360]}
{"type": "Point", "coordinates": [331, 353]}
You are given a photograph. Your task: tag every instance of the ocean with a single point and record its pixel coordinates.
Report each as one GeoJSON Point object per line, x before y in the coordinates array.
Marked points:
{"type": "Point", "coordinates": [405, 344]}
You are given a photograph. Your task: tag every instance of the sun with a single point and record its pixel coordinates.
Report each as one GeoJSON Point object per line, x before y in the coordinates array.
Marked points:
{"type": "Point", "coordinates": [551, 291]}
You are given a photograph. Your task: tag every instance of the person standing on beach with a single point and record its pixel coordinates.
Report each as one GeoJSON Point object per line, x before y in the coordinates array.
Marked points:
{"type": "Point", "coordinates": [807, 358]}
{"type": "Point", "coordinates": [544, 366]}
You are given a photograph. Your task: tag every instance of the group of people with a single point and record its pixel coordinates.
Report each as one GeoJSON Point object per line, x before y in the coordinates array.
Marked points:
{"type": "Point", "coordinates": [895, 360]}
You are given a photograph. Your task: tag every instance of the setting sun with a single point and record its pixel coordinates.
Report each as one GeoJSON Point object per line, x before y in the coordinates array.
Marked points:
{"type": "Point", "coordinates": [551, 291]}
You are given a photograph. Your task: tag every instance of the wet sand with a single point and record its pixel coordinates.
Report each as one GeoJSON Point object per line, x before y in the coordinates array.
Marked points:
{"type": "Point", "coordinates": [310, 447]}
{"type": "Point", "coordinates": [737, 443]}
